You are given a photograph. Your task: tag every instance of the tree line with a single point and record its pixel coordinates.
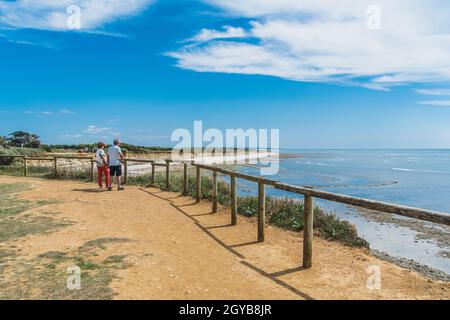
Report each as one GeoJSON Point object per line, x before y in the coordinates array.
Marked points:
{"type": "Point", "coordinates": [22, 139]}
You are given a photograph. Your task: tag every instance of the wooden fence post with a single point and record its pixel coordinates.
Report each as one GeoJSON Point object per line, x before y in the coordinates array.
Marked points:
{"type": "Point", "coordinates": [167, 174]}
{"type": "Point", "coordinates": [233, 198]}
{"type": "Point", "coordinates": [153, 173]}
{"type": "Point", "coordinates": [261, 211]}
{"type": "Point", "coordinates": [214, 192]}
{"type": "Point", "coordinates": [25, 166]}
{"type": "Point", "coordinates": [186, 179]}
{"type": "Point", "coordinates": [308, 231]}
{"type": "Point", "coordinates": [198, 186]}
{"type": "Point", "coordinates": [55, 166]}
{"type": "Point", "coordinates": [125, 165]}
{"type": "Point", "coordinates": [92, 170]}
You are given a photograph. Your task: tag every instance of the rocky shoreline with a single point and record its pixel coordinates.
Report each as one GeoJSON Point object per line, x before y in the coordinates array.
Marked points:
{"type": "Point", "coordinates": [414, 266]}
{"type": "Point", "coordinates": [424, 231]}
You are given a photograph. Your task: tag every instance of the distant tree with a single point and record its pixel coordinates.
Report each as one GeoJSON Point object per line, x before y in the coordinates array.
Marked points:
{"type": "Point", "coordinates": [24, 139]}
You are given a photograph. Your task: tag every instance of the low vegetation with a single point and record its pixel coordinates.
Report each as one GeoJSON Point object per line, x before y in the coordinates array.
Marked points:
{"type": "Point", "coordinates": [18, 152]}
{"type": "Point", "coordinates": [44, 276]}
{"type": "Point", "coordinates": [92, 147]}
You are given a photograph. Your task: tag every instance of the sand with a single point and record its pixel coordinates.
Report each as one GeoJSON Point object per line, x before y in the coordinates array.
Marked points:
{"type": "Point", "coordinates": [180, 250]}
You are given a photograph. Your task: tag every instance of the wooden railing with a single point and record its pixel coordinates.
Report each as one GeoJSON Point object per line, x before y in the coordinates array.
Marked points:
{"type": "Point", "coordinates": [308, 193]}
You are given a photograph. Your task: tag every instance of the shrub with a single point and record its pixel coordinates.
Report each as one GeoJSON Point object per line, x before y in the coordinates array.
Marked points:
{"type": "Point", "coordinates": [286, 213]}
{"type": "Point", "coordinates": [248, 206]}
{"type": "Point", "coordinates": [6, 161]}
{"type": "Point", "coordinates": [334, 229]}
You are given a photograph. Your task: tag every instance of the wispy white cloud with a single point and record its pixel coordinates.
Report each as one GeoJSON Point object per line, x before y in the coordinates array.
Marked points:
{"type": "Point", "coordinates": [329, 41]}
{"type": "Point", "coordinates": [54, 14]}
{"type": "Point", "coordinates": [228, 33]}
{"type": "Point", "coordinates": [439, 103]}
{"type": "Point", "coordinates": [94, 130]}
{"type": "Point", "coordinates": [434, 92]}
{"type": "Point", "coordinates": [438, 92]}
{"type": "Point", "coordinates": [71, 136]}
{"type": "Point", "coordinates": [50, 113]}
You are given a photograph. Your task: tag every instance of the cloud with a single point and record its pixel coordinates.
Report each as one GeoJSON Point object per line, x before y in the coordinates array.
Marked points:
{"type": "Point", "coordinates": [55, 14]}
{"type": "Point", "coordinates": [329, 41]}
{"type": "Point", "coordinates": [71, 136]}
{"type": "Point", "coordinates": [437, 93]}
{"type": "Point", "coordinates": [440, 103]}
{"type": "Point", "coordinates": [50, 113]}
{"type": "Point", "coordinates": [66, 112]}
{"type": "Point", "coordinates": [229, 32]}
{"type": "Point", "coordinates": [94, 130]}
{"type": "Point", "coordinates": [434, 92]}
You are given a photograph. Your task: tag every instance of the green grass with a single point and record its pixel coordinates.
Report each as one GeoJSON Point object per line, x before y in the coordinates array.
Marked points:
{"type": "Point", "coordinates": [18, 227]}
{"type": "Point", "coordinates": [115, 259]}
{"type": "Point", "coordinates": [10, 205]}
{"type": "Point", "coordinates": [82, 175]}
{"type": "Point", "coordinates": [14, 223]}
{"type": "Point", "coordinates": [44, 277]}
{"type": "Point", "coordinates": [101, 243]}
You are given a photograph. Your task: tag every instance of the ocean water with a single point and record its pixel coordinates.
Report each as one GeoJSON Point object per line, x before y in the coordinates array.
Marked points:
{"type": "Point", "coordinates": [418, 178]}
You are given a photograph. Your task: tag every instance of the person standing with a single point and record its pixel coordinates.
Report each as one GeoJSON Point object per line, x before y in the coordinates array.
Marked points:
{"type": "Point", "coordinates": [115, 159]}
{"type": "Point", "coordinates": [102, 166]}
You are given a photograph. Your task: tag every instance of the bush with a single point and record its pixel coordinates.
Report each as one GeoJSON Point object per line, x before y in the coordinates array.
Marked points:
{"type": "Point", "coordinates": [288, 213]}
{"type": "Point", "coordinates": [6, 161]}
{"type": "Point", "coordinates": [334, 229]}
{"type": "Point", "coordinates": [248, 206]}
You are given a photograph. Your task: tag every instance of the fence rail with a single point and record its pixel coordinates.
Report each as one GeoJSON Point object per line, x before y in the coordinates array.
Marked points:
{"type": "Point", "coordinates": [308, 193]}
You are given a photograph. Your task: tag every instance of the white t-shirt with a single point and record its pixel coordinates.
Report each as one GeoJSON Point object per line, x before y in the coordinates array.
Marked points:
{"type": "Point", "coordinates": [99, 157]}
{"type": "Point", "coordinates": [114, 154]}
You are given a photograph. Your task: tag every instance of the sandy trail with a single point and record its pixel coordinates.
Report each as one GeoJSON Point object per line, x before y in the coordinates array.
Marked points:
{"type": "Point", "coordinates": [179, 250]}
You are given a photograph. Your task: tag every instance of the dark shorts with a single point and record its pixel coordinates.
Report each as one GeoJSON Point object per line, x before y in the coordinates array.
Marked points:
{"type": "Point", "coordinates": [115, 171]}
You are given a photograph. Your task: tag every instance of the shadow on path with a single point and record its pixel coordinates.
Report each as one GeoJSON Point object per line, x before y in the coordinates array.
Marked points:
{"type": "Point", "coordinates": [90, 190]}
{"type": "Point", "coordinates": [272, 276]}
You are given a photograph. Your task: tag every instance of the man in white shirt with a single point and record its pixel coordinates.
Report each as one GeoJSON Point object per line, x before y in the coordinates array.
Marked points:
{"type": "Point", "coordinates": [115, 159]}
{"type": "Point", "coordinates": [102, 166]}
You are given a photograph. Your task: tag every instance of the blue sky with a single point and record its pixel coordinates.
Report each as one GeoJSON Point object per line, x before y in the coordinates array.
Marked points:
{"type": "Point", "coordinates": [141, 69]}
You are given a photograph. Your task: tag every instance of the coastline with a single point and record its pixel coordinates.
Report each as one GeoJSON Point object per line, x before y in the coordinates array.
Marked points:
{"type": "Point", "coordinates": [422, 233]}
{"type": "Point", "coordinates": [368, 222]}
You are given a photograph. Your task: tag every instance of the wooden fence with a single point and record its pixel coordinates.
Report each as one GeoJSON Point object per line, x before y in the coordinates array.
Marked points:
{"type": "Point", "coordinates": [308, 193]}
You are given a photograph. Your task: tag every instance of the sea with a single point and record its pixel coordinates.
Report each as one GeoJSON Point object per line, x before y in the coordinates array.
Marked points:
{"type": "Point", "coordinates": [412, 177]}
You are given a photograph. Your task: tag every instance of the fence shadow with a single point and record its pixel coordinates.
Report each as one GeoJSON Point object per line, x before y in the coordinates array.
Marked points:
{"type": "Point", "coordinates": [91, 190]}
{"type": "Point", "coordinates": [231, 248]}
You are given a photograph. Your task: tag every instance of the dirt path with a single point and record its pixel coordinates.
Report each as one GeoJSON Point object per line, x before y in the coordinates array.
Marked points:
{"type": "Point", "coordinates": [177, 249]}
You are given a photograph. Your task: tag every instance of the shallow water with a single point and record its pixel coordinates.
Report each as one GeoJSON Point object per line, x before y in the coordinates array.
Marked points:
{"type": "Point", "coordinates": [419, 178]}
